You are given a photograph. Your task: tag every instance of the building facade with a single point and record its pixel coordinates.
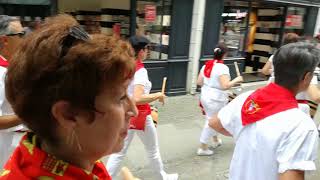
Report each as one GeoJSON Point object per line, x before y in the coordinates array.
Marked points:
{"type": "Point", "coordinates": [184, 32]}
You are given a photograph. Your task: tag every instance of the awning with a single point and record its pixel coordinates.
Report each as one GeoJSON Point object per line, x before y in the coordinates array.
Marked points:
{"type": "Point", "coordinates": [26, 2]}
{"type": "Point", "coordinates": [315, 3]}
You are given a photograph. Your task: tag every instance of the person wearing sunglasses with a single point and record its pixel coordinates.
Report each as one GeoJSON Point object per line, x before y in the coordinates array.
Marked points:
{"type": "Point", "coordinates": [11, 32]}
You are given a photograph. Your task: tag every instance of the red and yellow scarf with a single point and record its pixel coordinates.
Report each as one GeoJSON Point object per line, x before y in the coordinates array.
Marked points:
{"type": "Point", "coordinates": [265, 102]}
{"type": "Point", "coordinates": [30, 162]}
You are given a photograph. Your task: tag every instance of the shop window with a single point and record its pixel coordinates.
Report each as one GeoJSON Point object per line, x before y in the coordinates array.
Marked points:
{"type": "Point", "coordinates": [294, 20]}
{"type": "Point", "coordinates": [154, 22]}
{"type": "Point", "coordinates": [233, 29]}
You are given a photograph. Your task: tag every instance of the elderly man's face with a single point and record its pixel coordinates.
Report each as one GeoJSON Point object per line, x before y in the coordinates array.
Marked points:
{"type": "Point", "coordinates": [11, 41]}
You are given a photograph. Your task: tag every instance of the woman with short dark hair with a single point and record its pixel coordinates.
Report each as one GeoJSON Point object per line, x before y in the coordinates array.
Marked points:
{"type": "Point", "coordinates": [69, 89]}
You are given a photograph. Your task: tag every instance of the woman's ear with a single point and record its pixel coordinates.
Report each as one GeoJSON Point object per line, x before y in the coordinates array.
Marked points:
{"type": "Point", "coordinates": [64, 114]}
{"type": "Point", "coordinates": [307, 79]}
{"type": "Point", "coordinates": [308, 76]}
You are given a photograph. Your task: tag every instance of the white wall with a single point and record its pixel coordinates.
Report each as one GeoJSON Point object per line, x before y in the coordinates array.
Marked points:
{"type": "Point", "coordinates": [91, 5]}
{"type": "Point", "coordinates": [74, 5]}
{"type": "Point", "coordinates": [116, 4]}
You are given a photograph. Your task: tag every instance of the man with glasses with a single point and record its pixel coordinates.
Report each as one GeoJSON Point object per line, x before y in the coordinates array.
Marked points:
{"type": "Point", "coordinates": [11, 33]}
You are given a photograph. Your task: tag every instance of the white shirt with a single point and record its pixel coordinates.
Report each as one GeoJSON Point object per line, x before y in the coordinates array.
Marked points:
{"type": "Point", "coordinates": [5, 107]}
{"type": "Point", "coordinates": [300, 96]}
{"type": "Point", "coordinates": [211, 88]}
{"type": "Point", "coordinates": [284, 141]}
{"type": "Point", "coordinates": [140, 78]}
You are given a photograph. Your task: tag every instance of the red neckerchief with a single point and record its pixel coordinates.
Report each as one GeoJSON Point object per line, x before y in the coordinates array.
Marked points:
{"type": "Point", "coordinates": [209, 66]}
{"type": "Point", "coordinates": [144, 110]}
{"type": "Point", "coordinates": [3, 62]}
{"type": "Point", "coordinates": [265, 102]}
{"type": "Point", "coordinates": [139, 64]}
{"type": "Point", "coordinates": [30, 162]}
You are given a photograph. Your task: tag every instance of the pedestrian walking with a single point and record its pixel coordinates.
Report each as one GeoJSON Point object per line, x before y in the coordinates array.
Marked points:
{"type": "Point", "coordinates": [214, 79]}
{"type": "Point", "coordinates": [274, 138]}
{"type": "Point", "coordinates": [143, 125]}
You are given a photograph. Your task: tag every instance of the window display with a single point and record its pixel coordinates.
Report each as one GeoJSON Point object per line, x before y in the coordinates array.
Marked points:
{"type": "Point", "coordinates": [233, 29]}
{"type": "Point", "coordinates": [154, 21]}
{"type": "Point", "coordinates": [294, 20]}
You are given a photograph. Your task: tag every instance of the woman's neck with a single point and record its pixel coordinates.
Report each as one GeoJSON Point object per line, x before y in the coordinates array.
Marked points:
{"type": "Point", "coordinates": [69, 154]}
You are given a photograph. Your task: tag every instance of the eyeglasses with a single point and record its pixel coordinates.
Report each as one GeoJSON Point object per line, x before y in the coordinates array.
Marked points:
{"type": "Point", "coordinates": [20, 34]}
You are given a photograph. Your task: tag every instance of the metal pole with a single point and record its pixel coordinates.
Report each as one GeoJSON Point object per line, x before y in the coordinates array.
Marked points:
{"type": "Point", "coordinates": [133, 16]}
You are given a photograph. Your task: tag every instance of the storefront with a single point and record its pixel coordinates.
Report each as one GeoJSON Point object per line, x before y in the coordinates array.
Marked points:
{"type": "Point", "coordinates": [252, 30]}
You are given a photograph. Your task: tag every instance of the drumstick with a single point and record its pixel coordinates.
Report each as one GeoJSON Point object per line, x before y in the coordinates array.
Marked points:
{"type": "Point", "coordinates": [164, 82]}
{"type": "Point", "coordinates": [237, 68]}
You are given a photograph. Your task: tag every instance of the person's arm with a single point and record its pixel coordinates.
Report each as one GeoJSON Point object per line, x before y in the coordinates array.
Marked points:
{"type": "Point", "coordinates": [226, 83]}
{"type": "Point", "coordinates": [200, 80]}
{"type": "Point", "coordinates": [215, 124]}
{"type": "Point", "coordinates": [9, 121]}
{"type": "Point", "coordinates": [314, 93]}
{"type": "Point", "coordinates": [141, 98]}
{"type": "Point", "coordinates": [292, 175]}
{"type": "Point", "coordinates": [266, 70]}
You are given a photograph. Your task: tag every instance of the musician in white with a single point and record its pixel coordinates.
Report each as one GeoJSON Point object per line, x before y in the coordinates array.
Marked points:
{"type": "Point", "coordinates": [11, 32]}
{"type": "Point", "coordinates": [274, 138]}
{"type": "Point", "coordinates": [214, 79]}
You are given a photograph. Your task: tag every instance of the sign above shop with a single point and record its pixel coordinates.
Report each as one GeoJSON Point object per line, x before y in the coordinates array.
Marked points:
{"type": "Point", "coordinates": [299, 2]}
{"type": "Point", "coordinates": [237, 15]}
{"type": "Point", "coordinates": [150, 13]}
{"type": "Point", "coordinates": [26, 2]}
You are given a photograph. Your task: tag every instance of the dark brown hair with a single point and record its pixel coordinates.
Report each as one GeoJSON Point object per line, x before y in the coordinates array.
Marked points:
{"type": "Point", "coordinates": [220, 50]}
{"type": "Point", "coordinates": [39, 76]}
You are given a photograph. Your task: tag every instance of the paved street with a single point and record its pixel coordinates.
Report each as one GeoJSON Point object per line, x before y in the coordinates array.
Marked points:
{"type": "Point", "coordinates": [179, 129]}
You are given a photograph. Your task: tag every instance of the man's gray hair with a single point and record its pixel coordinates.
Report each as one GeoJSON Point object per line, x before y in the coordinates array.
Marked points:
{"type": "Point", "coordinates": [5, 21]}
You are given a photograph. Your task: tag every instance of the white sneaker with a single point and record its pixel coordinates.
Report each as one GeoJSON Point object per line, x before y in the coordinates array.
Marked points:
{"type": "Point", "coordinates": [217, 144]}
{"type": "Point", "coordinates": [202, 152]}
{"type": "Point", "coordinates": [171, 177]}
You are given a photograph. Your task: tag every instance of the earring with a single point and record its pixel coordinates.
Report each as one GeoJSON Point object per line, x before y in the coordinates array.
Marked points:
{"type": "Point", "coordinates": [73, 138]}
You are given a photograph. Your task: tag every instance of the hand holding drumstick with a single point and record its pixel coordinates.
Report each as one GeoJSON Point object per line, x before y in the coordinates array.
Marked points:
{"type": "Point", "coordinates": [239, 78]}
{"type": "Point", "coordinates": [161, 98]}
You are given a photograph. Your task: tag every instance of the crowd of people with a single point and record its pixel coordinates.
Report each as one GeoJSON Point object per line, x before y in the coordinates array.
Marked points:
{"type": "Point", "coordinates": [68, 98]}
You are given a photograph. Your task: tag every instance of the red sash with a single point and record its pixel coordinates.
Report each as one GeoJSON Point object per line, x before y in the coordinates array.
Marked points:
{"type": "Point", "coordinates": [265, 102]}
{"type": "Point", "coordinates": [30, 162]}
{"type": "Point", "coordinates": [144, 110]}
{"type": "Point", "coordinates": [209, 66]}
{"type": "Point", "coordinates": [3, 62]}
{"type": "Point", "coordinates": [139, 121]}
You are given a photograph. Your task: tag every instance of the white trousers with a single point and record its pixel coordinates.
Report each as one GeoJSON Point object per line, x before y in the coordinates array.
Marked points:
{"type": "Point", "coordinates": [8, 142]}
{"type": "Point", "coordinates": [150, 140]}
{"type": "Point", "coordinates": [211, 107]}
